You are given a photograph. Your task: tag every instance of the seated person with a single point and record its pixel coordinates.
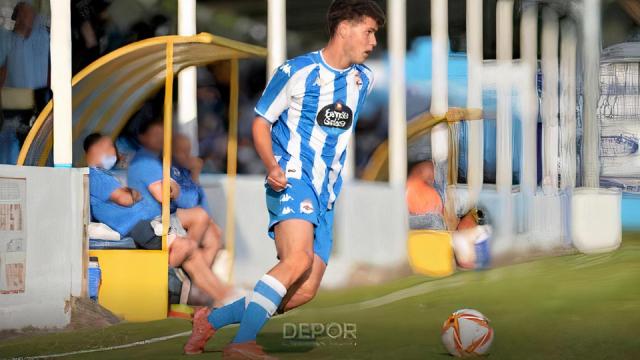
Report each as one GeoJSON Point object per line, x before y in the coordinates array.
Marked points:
{"type": "Point", "coordinates": [426, 211]}
{"type": "Point", "coordinates": [117, 206]}
{"type": "Point", "coordinates": [186, 172]}
{"type": "Point", "coordinates": [424, 201]}
{"type": "Point", "coordinates": [124, 209]}
{"type": "Point", "coordinates": [145, 175]}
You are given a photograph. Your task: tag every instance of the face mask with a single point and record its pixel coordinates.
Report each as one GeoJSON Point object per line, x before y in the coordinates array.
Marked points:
{"type": "Point", "coordinates": [108, 161]}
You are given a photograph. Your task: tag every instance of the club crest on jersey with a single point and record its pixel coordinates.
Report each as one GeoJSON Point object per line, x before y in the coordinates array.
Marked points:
{"type": "Point", "coordinates": [358, 81]}
{"type": "Point", "coordinates": [336, 115]}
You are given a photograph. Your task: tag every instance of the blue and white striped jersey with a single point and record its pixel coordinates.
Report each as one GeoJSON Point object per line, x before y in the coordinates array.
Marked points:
{"type": "Point", "coordinates": [314, 109]}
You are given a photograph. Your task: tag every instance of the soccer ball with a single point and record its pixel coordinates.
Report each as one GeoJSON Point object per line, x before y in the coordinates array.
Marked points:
{"type": "Point", "coordinates": [467, 333]}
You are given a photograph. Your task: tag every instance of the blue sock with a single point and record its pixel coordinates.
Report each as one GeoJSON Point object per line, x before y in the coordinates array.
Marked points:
{"type": "Point", "coordinates": [228, 314]}
{"type": "Point", "coordinates": [265, 300]}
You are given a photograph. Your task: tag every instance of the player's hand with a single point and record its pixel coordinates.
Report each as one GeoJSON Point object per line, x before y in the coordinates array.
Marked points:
{"type": "Point", "coordinates": [174, 190]}
{"type": "Point", "coordinates": [276, 178]}
{"type": "Point", "coordinates": [135, 195]}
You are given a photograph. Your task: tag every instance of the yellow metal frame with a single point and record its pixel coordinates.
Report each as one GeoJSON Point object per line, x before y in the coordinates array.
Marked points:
{"type": "Point", "coordinates": [377, 169]}
{"type": "Point", "coordinates": [241, 50]}
{"type": "Point", "coordinates": [232, 163]}
{"type": "Point", "coordinates": [166, 149]}
{"type": "Point", "coordinates": [134, 282]}
{"type": "Point", "coordinates": [429, 251]}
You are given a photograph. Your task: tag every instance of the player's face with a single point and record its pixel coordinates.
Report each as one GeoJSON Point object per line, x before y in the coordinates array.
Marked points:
{"type": "Point", "coordinates": [109, 148]}
{"type": "Point", "coordinates": [361, 39]}
{"type": "Point", "coordinates": [104, 147]}
{"type": "Point", "coordinates": [153, 139]}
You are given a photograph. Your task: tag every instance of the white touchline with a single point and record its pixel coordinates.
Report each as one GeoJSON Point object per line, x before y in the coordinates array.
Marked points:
{"type": "Point", "coordinates": [109, 348]}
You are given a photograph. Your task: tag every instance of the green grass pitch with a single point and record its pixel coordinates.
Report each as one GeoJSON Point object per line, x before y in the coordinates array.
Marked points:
{"type": "Point", "coordinates": [568, 307]}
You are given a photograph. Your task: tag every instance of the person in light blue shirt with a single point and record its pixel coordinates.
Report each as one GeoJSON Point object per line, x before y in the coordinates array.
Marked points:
{"type": "Point", "coordinates": [27, 60]}
{"type": "Point", "coordinates": [186, 172]}
{"type": "Point", "coordinates": [117, 206]}
{"type": "Point", "coordinates": [5, 40]}
{"type": "Point", "coordinates": [24, 63]}
{"type": "Point", "coordinates": [123, 208]}
{"type": "Point", "coordinates": [145, 170]}
{"type": "Point", "coordinates": [145, 175]}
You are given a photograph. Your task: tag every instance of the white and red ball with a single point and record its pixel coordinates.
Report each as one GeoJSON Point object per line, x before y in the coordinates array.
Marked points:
{"type": "Point", "coordinates": [467, 333]}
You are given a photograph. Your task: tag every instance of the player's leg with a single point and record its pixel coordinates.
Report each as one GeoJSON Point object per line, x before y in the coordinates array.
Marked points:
{"type": "Point", "coordinates": [294, 243]}
{"type": "Point", "coordinates": [211, 242]}
{"type": "Point", "coordinates": [195, 221]}
{"type": "Point", "coordinates": [201, 275]}
{"type": "Point", "coordinates": [180, 249]}
{"type": "Point", "coordinates": [306, 288]}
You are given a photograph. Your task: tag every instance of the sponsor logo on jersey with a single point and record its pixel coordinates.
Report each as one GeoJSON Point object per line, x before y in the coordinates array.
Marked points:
{"type": "Point", "coordinates": [335, 115]}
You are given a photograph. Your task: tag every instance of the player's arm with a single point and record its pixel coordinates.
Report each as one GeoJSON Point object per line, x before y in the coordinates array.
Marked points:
{"type": "Point", "coordinates": [156, 190]}
{"type": "Point", "coordinates": [196, 168]}
{"type": "Point", "coordinates": [262, 142]}
{"type": "Point", "coordinates": [123, 197]}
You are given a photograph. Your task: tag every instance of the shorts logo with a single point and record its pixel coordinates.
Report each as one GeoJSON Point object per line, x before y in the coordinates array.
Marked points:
{"type": "Point", "coordinates": [286, 197]}
{"type": "Point", "coordinates": [335, 115]}
{"type": "Point", "coordinates": [287, 210]}
{"type": "Point", "coordinates": [306, 207]}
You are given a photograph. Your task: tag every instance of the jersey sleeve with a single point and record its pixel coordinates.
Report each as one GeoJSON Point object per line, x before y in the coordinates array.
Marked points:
{"type": "Point", "coordinates": [275, 98]}
{"type": "Point", "coordinates": [101, 185]}
{"type": "Point", "coordinates": [149, 171]}
{"type": "Point", "coordinates": [369, 78]}
{"type": "Point", "coordinates": [371, 82]}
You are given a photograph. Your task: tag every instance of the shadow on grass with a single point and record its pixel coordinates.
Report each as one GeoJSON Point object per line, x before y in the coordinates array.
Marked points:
{"type": "Point", "coordinates": [273, 342]}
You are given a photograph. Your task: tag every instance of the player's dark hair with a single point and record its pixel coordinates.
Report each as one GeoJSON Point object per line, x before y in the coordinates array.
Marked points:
{"type": "Point", "coordinates": [353, 10]}
{"type": "Point", "coordinates": [145, 126]}
{"type": "Point", "coordinates": [91, 140]}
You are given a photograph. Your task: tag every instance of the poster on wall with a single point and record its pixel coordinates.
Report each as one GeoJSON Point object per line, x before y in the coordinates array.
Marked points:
{"type": "Point", "coordinates": [13, 247]}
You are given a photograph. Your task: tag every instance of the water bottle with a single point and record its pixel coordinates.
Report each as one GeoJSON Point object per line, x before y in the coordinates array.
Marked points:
{"type": "Point", "coordinates": [483, 250]}
{"type": "Point", "coordinates": [95, 277]}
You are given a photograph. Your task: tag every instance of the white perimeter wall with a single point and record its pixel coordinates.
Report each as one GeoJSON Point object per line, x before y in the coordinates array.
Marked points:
{"type": "Point", "coordinates": [54, 229]}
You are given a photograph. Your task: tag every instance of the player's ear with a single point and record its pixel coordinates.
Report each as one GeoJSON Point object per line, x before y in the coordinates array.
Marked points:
{"type": "Point", "coordinates": [343, 28]}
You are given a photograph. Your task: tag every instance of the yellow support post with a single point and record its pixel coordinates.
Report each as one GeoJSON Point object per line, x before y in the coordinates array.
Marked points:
{"type": "Point", "coordinates": [232, 163]}
{"type": "Point", "coordinates": [166, 150]}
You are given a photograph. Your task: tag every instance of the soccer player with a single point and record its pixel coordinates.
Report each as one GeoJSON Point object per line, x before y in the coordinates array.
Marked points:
{"type": "Point", "coordinates": [304, 122]}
